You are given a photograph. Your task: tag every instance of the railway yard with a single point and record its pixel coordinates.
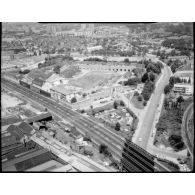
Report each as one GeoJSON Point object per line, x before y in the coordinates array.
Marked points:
{"type": "Point", "coordinates": [84, 125]}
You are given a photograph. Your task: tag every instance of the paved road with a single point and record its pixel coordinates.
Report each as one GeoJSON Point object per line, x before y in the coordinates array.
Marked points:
{"type": "Point", "coordinates": [187, 135]}
{"type": "Point", "coordinates": [146, 126]}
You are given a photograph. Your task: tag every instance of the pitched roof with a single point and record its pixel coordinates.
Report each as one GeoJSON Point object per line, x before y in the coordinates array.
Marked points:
{"type": "Point", "coordinates": [14, 130]}
{"type": "Point", "coordinates": [38, 82]}
{"type": "Point", "coordinates": [26, 128]}
{"type": "Point", "coordinates": [10, 120]}
{"type": "Point", "coordinates": [74, 133]}
{"type": "Point", "coordinates": [39, 117]}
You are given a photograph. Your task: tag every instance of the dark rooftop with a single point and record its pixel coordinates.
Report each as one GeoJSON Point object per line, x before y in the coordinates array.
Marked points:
{"type": "Point", "coordinates": [15, 131]}
{"type": "Point", "coordinates": [74, 133]}
{"type": "Point", "coordinates": [7, 140]}
{"type": "Point", "coordinates": [33, 158]}
{"type": "Point", "coordinates": [39, 117]}
{"type": "Point", "coordinates": [10, 120]}
{"type": "Point", "coordinates": [25, 128]}
{"type": "Point", "coordinates": [38, 81]}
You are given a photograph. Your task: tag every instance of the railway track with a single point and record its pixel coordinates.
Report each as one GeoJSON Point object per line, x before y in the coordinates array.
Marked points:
{"type": "Point", "coordinates": [98, 133]}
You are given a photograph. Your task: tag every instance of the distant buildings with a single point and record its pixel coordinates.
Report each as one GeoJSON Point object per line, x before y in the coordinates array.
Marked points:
{"type": "Point", "coordinates": [94, 48]}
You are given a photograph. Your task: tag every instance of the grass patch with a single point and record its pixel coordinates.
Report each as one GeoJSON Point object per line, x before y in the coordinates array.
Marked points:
{"type": "Point", "coordinates": [136, 103]}
{"type": "Point", "coordinates": [91, 80]}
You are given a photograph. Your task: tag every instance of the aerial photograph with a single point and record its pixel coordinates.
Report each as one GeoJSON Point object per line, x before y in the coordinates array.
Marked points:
{"type": "Point", "coordinates": [97, 97]}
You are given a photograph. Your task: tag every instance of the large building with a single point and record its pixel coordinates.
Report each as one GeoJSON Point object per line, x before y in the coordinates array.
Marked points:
{"type": "Point", "coordinates": [185, 89]}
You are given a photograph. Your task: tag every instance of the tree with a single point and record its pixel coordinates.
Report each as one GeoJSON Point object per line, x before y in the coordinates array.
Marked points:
{"type": "Point", "coordinates": [144, 103]}
{"type": "Point", "coordinates": [139, 98]}
{"type": "Point", "coordinates": [118, 126]}
{"type": "Point", "coordinates": [189, 80]}
{"type": "Point", "coordinates": [158, 53]}
{"type": "Point", "coordinates": [73, 100]}
{"type": "Point", "coordinates": [167, 89]}
{"type": "Point", "coordinates": [147, 90]}
{"type": "Point", "coordinates": [103, 149]}
{"type": "Point", "coordinates": [166, 103]}
{"type": "Point", "coordinates": [171, 81]}
{"type": "Point", "coordinates": [126, 60]}
{"type": "Point", "coordinates": [132, 81]}
{"type": "Point", "coordinates": [115, 105]}
{"type": "Point", "coordinates": [180, 99]}
{"type": "Point", "coordinates": [136, 93]}
{"type": "Point", "coordinates": [84, 95]}
{"type": "Point", "coordinates": [144, 77]}
{"type": "Point", "coordinates": [82, 111]}
{"type": "Point", "coordinates": [57, 69]}
{"type": "Point", "coordinates": [176, 141]}
{"type": "Point", "coordinates": [152, 76]}
{"type": "Point", "coordinates": [122, 103]}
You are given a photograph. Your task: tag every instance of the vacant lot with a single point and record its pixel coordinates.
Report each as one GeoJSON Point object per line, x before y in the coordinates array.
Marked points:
{"type": "Point", "coordinates": [92, 79]}
{"type": "Point", "coordinates": [9, 101]}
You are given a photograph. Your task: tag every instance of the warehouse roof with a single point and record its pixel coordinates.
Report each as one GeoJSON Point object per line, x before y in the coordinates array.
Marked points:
{"type": "Point", "coordinates": [15, 131]}
{"type": "Point", "coordinates": [38, 81]}
{"type": "Point", "coordinates": [26, 128]}
{"type": "Point", "coordinates": [39, 117]}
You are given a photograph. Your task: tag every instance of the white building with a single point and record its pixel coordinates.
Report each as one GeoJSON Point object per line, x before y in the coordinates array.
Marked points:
{"type": "Point", "coordinates": [187, 74]}
{"type": "Point", "coordinates": [94, 48]}
{"type": "Point", "coordinates": [186, 89]}
{"type": "Point", "coordinates": [53, 81]}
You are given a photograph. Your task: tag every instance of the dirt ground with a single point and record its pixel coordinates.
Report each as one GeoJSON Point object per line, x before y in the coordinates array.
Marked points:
{"type": "Point", "coordinates": [92, 79]}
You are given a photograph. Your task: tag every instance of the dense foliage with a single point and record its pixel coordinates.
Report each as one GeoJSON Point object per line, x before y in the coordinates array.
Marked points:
{"type": "Point", "coordinates": [147, 90]}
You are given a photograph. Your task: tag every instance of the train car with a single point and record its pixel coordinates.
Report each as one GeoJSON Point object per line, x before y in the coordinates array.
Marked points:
{"type": "Point", "coordinates": [24, 84]}
{"type": "Point", "coordinates": [36, 89]}
{"type": "Point", "coordinates": [45, 93]}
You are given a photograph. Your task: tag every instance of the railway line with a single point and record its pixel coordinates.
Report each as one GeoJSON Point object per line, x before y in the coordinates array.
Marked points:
{"type": "Point", "coordinates": [99, 134]}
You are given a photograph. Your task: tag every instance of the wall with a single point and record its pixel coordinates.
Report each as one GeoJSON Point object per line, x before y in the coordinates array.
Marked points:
{"type": "Point", "coordinates": [106, 67]}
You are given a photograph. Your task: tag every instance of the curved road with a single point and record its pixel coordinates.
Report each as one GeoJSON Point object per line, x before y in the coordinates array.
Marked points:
{"type": "Point", "coordinates": [188, 136]}
{"type": "Point", "coordinates": [143, 136]}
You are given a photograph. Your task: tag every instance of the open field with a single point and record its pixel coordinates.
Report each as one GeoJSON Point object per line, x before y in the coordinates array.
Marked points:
{"type": "Point", "coordinates": [92, 79]}
{"type": "Point", "coordinates": [13, 107]}
{"type": "Point", "coordinates": [9, 101]}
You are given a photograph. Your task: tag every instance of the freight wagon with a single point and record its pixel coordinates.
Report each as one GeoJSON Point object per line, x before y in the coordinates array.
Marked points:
{"type": "Point", "coordinates": [24, 84]}
{"type": "Point", "coordinates": [45, 93]}
{"type": "Point", "coordinates": [35, 88]}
